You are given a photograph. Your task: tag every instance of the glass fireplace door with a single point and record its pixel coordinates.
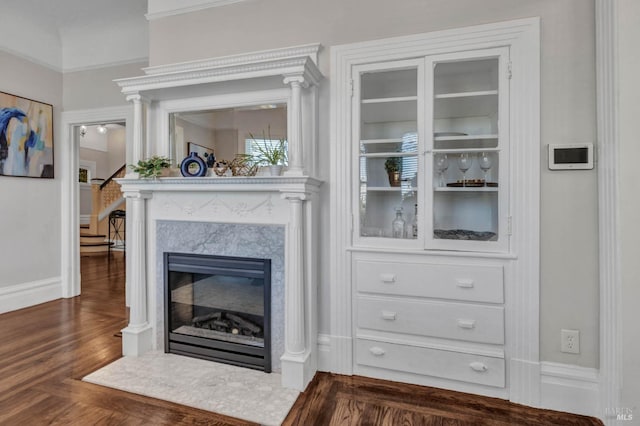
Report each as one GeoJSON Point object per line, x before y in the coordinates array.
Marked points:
{"type": "Point", "coordinates": [218, 308]}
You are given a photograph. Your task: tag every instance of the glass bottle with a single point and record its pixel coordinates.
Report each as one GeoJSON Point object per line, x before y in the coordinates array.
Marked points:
{"type": "Point", "coordinates": [414, 224]}
{"type": "Point", "coordinates": [397, 226]}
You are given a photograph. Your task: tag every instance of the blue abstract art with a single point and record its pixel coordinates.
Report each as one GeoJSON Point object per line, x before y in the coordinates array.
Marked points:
{"type": "Point", "coordinates": [26, 137]}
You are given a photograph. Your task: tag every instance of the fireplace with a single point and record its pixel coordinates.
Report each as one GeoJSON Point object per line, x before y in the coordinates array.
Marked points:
{"type": "Point", "coordinates": [218, 308]}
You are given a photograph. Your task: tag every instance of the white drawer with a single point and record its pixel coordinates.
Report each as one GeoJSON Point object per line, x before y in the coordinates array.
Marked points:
{"type": "Point", "coordinates": [462, 282]}
{"type": "Point", "coordinates": [462, 321]}
{"type": "Point", "coordinates": [461, 366]}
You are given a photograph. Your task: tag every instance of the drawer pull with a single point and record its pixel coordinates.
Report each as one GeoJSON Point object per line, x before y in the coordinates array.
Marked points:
{"type": "Point", "coordinates": [478, 366]}
{"type": "Point", "coordinates": [389, 316]}
{"type": "Point", "coordinates": [388, 278]}
{"type": "Point", "coordinates": [376, 351]}
{"type": "Point", "coordinates": [464, 283]}
{"type": "Point", "coordinates": [469, 324]}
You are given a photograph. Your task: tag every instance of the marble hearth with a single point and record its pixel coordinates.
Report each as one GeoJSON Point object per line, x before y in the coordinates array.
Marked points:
{"type": "Point", "coordinates": [262, 217]}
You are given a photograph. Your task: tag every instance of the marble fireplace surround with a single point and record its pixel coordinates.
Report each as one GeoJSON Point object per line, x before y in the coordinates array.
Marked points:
{"type": "Point", "coordinates": [269, 217]}
{"type": "Point", "coordinates": [225, 239]}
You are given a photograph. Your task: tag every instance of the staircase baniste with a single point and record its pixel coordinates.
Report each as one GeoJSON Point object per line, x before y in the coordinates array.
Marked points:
{"type": "Point", "coordinates": [106, 196]}
{"type": "Point", "coordinates": [110, 189]}
{"type": "Point", "coordinates": [118, 173]}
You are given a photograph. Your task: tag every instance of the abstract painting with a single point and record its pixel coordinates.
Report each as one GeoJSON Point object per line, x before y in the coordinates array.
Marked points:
{"type": "Point", "coordinates": [26, 137]}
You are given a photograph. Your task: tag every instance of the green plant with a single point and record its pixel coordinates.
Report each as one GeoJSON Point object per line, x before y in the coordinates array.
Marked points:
{"type": "Point", "coordinates": [393, 164]}
{"type": "Point", "coordinates": [272, 154]}
{"type": "Point", "coordinates": [152, 167]}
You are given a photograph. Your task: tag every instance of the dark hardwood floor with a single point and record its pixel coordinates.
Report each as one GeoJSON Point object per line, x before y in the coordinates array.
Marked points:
{"type": "Point", "coordinates": [47, 349]}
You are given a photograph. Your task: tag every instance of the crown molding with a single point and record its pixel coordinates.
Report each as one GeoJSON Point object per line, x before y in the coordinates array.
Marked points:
{"type": "Point", "coordinates": [286, 62]}
{"type": "Point", "coordinates": [106, 65]}
{"type": "Point", "coordinates": [21, 55]}
{"type": "Point", "coordinates": [179, 7]}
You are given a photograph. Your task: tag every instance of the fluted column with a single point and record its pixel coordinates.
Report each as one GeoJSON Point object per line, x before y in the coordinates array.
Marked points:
{"type": "Point", "coordinates": [294, 280]}
{"type": "Point", "coordinates": [136, 337]}
{"type": "Point", "coordinates": [139, 128]}
{"type": "Point", "coordinates": [295, 168]}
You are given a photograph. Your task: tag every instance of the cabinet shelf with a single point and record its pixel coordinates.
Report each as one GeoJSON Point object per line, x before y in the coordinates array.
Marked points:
{"type": "Point", "coordinates": [377, 141]}
{"type": "Point", "coordinates": [461, 150]}
{"type": "Point", "coordinates": [467, 189]}
{"type": "Point", "coordinates": [465, 137]}
{"type": "Point", "coordinates": [389, 154]}
{"type": "Point", "coordinates": [466, 94]}
{"type": "Point", "coordinates": [391, 188]}
{"type": "Point", "coordinates": [392, 99]}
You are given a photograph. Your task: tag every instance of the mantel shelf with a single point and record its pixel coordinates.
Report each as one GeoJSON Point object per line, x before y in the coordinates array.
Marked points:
{"type": "Point", "coordinates": [282, 184]}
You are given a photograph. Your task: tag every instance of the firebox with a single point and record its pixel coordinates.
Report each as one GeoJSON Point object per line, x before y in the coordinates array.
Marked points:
{"type": "Point", "coordinates": [218, 308]}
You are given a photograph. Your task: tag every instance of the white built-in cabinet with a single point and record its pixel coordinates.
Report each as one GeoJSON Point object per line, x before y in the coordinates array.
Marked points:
{"type": "Point", "coordinates": [442, 255]}
{"type": "Point", "coordinates": [440, 123]}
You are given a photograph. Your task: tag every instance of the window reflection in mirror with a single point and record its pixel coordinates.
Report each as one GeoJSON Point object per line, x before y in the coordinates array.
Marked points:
{"type": "Point", "coordinates": [226, 132]}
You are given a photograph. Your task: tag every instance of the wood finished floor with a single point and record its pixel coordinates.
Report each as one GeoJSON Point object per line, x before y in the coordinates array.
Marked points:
{"type": "Point", "coordinates": [47, 349]}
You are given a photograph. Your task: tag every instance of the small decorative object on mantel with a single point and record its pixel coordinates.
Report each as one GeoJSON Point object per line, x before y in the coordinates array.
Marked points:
{"type": "Point", "coordinates": [193, 166]}
{"type": "Point", "coordinates": [152, 167]}
{"type": "Point", "coordinates": [243, 165]}
{"type": "Point", "coordinates": [393, 166]}
{"type": "Point", "coordinates": [220, 167]}
{"type": "Point", "coordinates": [210, 159]}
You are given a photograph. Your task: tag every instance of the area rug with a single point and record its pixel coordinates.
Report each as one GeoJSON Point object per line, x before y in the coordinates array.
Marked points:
{"type": "Point", "coordinates": [224, 389]}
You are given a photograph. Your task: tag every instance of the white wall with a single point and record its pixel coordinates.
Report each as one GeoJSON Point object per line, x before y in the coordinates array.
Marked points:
{"type": "Point", "coordinates": [117, 147]}
{"type": "Point", "coordinates": [109, 160]}
{"type": "Point", "coordinates": [29, 218]}
{"type": "Point", "coordinates": [569, 246]}
{"type": "Point", "coordinates": [629, 90]}
{"type": "Point", "coordinates": [95, 88]}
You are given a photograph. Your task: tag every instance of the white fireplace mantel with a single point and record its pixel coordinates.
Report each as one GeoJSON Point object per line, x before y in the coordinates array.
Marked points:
{"type": "Point", "coordinates": [287, 201]}
{"type": "Point", "coordinates": [287, 75]}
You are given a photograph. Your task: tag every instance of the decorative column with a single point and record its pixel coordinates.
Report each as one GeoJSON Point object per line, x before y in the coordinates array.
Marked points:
{"type": "Point", "coordinates": [295, 361]}
{"type": "Point", "coordinates": [139, 128]}
{"type": "Point", "coordinates": [295, 125]}
{"type": "Point", "coordinates": [137, 336]}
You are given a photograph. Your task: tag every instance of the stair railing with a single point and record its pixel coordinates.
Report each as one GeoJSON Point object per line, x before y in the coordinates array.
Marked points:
{"type": "Point", "coordinates": [106, 197]}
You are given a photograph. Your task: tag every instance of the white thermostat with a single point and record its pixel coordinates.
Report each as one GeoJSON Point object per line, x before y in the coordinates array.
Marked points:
{"type": "Point", "coordinates": [571, 157]}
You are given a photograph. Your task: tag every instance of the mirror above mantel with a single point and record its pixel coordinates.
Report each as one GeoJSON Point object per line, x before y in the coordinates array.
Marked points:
{"type": "Point", "coordinates": [216, 103]}
{"type": "Point", "coordinates": [226, 132]}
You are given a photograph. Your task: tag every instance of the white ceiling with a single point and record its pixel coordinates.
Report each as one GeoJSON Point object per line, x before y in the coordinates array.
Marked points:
{"type": "Point", "coordinates": [70, 35]}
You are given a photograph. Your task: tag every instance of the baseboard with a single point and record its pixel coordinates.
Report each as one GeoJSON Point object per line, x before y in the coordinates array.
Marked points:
{"type": "Point", "coordinates": [524, 382]}
{"type": "Point", "coordinates": [324, 352]}
{"type": "Point", "coordinates": [335, 354]}
{"type": "Point", "coordinates": [85, 219]}
{"type": "Point", "coordinates": [569, 388]}
{"type": "Point", "coordinates": [23, 295]}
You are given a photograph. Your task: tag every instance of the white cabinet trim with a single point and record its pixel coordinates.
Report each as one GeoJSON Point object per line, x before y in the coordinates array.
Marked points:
{"type": "Point", "coordinates": [608, 201]}
{"type": "Point", "coordinates": [522, 295]}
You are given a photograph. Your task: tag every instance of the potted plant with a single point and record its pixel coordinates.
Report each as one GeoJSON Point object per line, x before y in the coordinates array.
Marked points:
{"type": "Point", "coordinates": [393, 166]}
{"type": "Point", "coordinates": [151, 167]}
{"type": "Point", "coordinates": [273, 155]}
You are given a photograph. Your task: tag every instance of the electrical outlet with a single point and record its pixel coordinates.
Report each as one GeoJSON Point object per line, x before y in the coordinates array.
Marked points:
{"type": "Point", "coordinates": [570, 341]}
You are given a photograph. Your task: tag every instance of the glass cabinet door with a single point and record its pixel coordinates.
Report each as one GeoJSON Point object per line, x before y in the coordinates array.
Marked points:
{"type": "Point", "coordinates": [468, 152]}
{"type": "Point", "coordinates": [388, 104]}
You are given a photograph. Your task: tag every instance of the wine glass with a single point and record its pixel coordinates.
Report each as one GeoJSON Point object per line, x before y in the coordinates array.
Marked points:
{"type": "Point", "coordinates": [464, 164]}
{"type": "Point", "coordinates": [485, 165]}
{"type": "Point", "coordinates": [442, 164]}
